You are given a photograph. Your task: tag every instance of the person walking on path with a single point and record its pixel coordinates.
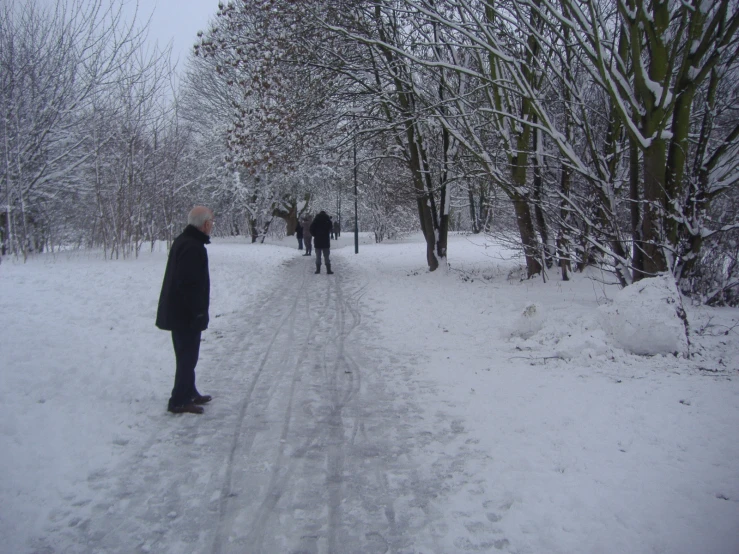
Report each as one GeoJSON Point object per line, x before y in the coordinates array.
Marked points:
{"type": "Point", "coordinates": [321, 231]}
{"type": "Point", "coordinates": [337, 229]}
{"type": "Point", "coordinates": [183, 306]}
{"type": "Point", "coordinates": [299, 234]}
{"type": "Point", "coordinates": [307, 220]}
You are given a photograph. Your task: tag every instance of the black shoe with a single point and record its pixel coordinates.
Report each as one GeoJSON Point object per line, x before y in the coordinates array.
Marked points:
{"type": "Point", "coordinates": [186, 408]}
{"type": "Point", "coordinates": [317, 271]}
{"type": "Point", "coordinates": [329, 272]}
{"type": "Point", "coordinates": [202, 399]}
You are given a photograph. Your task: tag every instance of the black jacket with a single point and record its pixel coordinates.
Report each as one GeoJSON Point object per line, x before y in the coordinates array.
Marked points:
{"type": "Point", "coordinates": [185, 296]}
{"type": "Point", "coordinates": [321, 231]}
{"type": "Point", "coordinates": [299, 230]}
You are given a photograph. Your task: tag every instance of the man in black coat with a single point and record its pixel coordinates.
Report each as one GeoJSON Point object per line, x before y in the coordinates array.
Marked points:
{"type": "Point", "coordinates": [183, 306]}
{"type": "Point", "coordinates": [299, 234]}
{"type": "Point", "coordinates": [321, 231]}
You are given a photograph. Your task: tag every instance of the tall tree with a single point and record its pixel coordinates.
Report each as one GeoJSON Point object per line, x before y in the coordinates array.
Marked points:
{"type": "Point", "coordinates": [52, 64]}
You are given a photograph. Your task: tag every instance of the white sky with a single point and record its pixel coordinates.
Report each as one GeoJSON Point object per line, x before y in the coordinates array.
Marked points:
{"type": "Point", "coordinates": [177, 21]}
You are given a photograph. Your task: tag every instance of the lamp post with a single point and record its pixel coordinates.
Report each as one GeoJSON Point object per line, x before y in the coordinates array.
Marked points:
{"type": "Point", "coordinates": [338, 201]}
{"type": "Point", "coordinates": [356, 223]}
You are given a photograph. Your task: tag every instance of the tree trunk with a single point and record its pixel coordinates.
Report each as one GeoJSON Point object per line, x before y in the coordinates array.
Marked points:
{"type": "Point", "coordinates": [652, 227]}
{"type": "Point", "coordinates": [541, 223]}
{"type": "Point", "coordinates": [637, 251]}
{"type": "Point", "coordinates": [290, 216]}
{"type": "Point", "coordinates": [563, 245]}
{"type": "Point", "coordinates": [423, 201]}
{"type": "Point", "coordinates": [528, 235]}
{"type": "Point", "coordinates": [253, 229]}
{"type": "Point", "coordinates": [473, 212]}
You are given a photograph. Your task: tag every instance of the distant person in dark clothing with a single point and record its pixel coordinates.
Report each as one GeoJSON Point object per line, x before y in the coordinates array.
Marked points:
{"type": "Point", "coordinates": [307, 220]}
{"type": "Point", "coordinates": [183, 306]}
{"type": "Point", "coordinates": [299, 234]}
{"type": "Point", "coordinates": [321, 231]}
{"type": "Point", "coordinates": [337, 229]}
{"type": "Point", "coordinates": [331, 230]}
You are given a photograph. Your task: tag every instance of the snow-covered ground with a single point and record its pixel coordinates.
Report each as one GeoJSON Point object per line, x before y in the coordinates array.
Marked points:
{"type": "Point", "coordinates": [381, 409]}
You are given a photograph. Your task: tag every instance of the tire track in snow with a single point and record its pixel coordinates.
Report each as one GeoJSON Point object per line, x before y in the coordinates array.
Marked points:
{"type": "Point", "coordinates": [328, 329]}
{"type": "Point", "coordinates": [237, 442]}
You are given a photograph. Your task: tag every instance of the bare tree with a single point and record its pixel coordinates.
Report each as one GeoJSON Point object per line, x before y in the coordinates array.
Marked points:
{"type": "Point", "coordinates": [52, 63]}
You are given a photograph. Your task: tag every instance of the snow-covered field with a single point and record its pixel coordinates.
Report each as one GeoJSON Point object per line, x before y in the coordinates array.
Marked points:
{"type": "Point", "coordinates": [524, 428]}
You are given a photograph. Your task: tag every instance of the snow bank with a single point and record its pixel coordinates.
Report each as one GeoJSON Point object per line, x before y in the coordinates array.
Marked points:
{"type": "Point", "coordinates": [647, 318]}
{"type": "Point", "coordinates": [529, 322]}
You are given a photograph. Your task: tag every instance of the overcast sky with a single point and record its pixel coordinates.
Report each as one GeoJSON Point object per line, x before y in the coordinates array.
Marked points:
{"type": "Point", "coordinates": [175, 20]}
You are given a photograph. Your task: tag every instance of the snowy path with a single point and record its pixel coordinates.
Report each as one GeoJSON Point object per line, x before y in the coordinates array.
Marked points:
{"type": "Point", "coordinates": [306, 448]}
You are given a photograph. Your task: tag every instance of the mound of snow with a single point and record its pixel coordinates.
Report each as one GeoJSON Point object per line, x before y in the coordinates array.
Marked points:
{"type": "Point", "coordinates": [529, 322]}
{"type": "Point", "coordinates": [647, 318]}
{"type": "Point", "coordinates": [583, 344]}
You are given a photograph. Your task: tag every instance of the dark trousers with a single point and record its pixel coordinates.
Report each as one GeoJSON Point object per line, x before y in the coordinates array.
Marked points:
{"type": "Point", "coordinates": [300, 243]}
{"type": "Point", "coordinates": [326, 252]}
{"type": "Point", "coordinates": [186, 351]}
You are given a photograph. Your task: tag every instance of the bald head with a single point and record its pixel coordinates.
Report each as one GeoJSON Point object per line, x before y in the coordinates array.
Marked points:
{"type": "Point", "coordinates": [202, 218]}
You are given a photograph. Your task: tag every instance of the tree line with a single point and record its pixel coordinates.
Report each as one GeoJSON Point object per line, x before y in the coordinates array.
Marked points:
{"type": "Point", "coordinates": [95, 152]}
{"type": "Point", "coordinates": [586, 132]}
{"type": "Point", "coordinates": [608, 129]}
